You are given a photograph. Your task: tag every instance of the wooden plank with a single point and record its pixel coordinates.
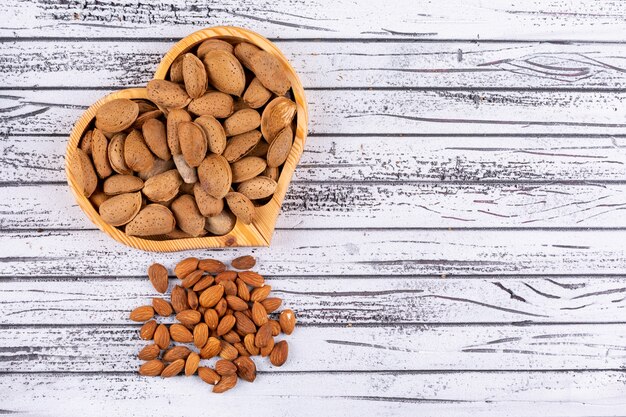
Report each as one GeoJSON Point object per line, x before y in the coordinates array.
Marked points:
{"type": "Point", "coordinates": [336, 252]}
{"type": "Point", "coordinates": [455, 19]}
{"type": "Point", "coordinates": [374, 112]}
{"type": "Point", "coordinates": [582, 393]}
{"type": "Point", "coordinates": [388, 348]}
{"type": "Point", "coordinates": [376, 205]}
{"type": "Point", "coordinates": [32, 159]}
{"type": "Point", "coordinates": [345, 64]}
{"type": "Point", "coordinates": [336, 300]}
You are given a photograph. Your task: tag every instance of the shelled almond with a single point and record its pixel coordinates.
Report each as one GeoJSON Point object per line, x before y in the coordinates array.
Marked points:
{"type": "Point", "coordinates": [229, 323]}
{"type": "Point", "coordinates": [205, 149]}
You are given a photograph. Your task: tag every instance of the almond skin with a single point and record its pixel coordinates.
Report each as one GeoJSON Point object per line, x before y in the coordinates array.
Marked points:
{"type": "Point", "coordinates": [100, 154]}
{"type": "Point", "coordinates": [242, 290]}
{"type": "Point", "coordinates": [173, 368]}
{"type": "Point", "coordinates": [257, 188]}
{"type": "Point", "coordinates": [179, 299]}
{"type": "Point", "coordinates": [215, 175]}
{"type": "Point", "coordinates": [212, 103]}
{"type": "Point", "coordinates": [240, 145]}
{"type": "Point", "coordinates": [246, 369]}
{"type": "Point", "coordinates": [188, 217]}
{"type": "Point", "coordinates": [226, 383]}
{"type": "Point", "coordinates": [248, 342]}
{"type": "Point", "coordinates": [224, 367]}
{"type": "Point", "coordinates": [228, 351]}
{"type": "Point", "coordinates": [275, 327]}
{"type": "Point", "coordinates": [162, 307]}
{"type": "Point", "coordinates": [229, 288]}
{"type": "Point", "coordinates": [256, 94]}
{"type": "Point", "coordinates": [149, 353]}
{"type": "Point", "coordinates": [212, 266]}
{"type": "Point", "coordinates": [180, 333]}
{"type": "Point", "coordinates": [194, 75]}
{"type": "Point", "coordinates": [244, 324]}
{"type": "Point", "coordinates": [136, 153]}
{"type": "Point", "coordinates": [147, 330]}
{"type": "Point", "coordinates": [192, 299]}
{"type": "Point", "coordinates": [162, 336]}
{"type": "Point", "coordinates": [207, 204]}
{"type": "Point", "coordinates": [191, 364]}
{"type": "Point", "coordinates": [212, 348]}
{"type": "Point", "coordinates": [271, 304]}
{"type": "Point", "coordinates": [186, 267]}
{"type": "Point", "coordinates": [234, 302]}
{"type": "Point", "coordinates": [225, 72]}
{"type": "Point", "coordinates": [277, 115]}
{"type": "Point", "coordinates": [263, 335]}
{"type": "Point", "coordinates": [280, 148]}
{"type": "Point", "coordinates": [175, 353]}
{"type": "Point", "coordinates": [193, 143]}
{"type": "Point", "coordinates": [167, 94]}
{"type": "Point", "coordinates": [191, 279]}
{"type": "Point", "coordinates": [211, 296]}
{"type": "Point", "coordinates": [242, 121]}
{"type": "Point", "coordinates": [151, 368]}
{"type": "Point", "coordinates": [208, 375]}
{"type": "Point", "coordinates": [155, 135]}
{"type": "Point", "coordinates": [143, 313]}
{"type": "Point", "coordinates": [266, 350]}
{"type": "Point", "coordinates": [116, 115]}
{"type": "Point", "coordinates": [259, 314]}
{"type": "Point", "coordinates": [214, 133]}
{"type": "Point", "coordinates": [226, 323]}
{"type": "Point", "coordinates": [261, 293]}
{"type": "Point", "coordinates": [244, 262]}
{"type": "Point", "coordinates": [251, 278]}
{"type": "Point", "coordinates": [204, 283]}
{"type": "Point", "coordinates": [279, 354]}
{"type": "Point", "coordinates": [200, 334]}
{"type": "Point", "coordinates": [211, 319]}
{"type": "Point", "coordinates": [287, 321]}
{"type": "Point", "coordinates": [211, 45]}
{"type": "Point", "coordinates": [84, 173]}
{"type": "Point", "coordinates": [189, 317]}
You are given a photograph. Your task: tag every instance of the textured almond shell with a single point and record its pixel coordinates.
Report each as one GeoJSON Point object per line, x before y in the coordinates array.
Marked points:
{"type": "Point", "coordinates": [215, 175]}
{"type": "Point", "coordinates": [213, 44]}
{"type": "Point", "coordinates": [247, 168]}
{"type": "Point", "coordinates": [260, 149]}
{"type": "Point", "coordinates": [188, 173]}
{"type": "Point", "coordinates": [277, 115]}
{"type": "Point", "coordinates": [270, 72]}
{"type": "Point", "coordinates": [242, 121]}
{"type": "Point", "coordinates": [100, 154]}
{"type": "Point", "coordinates": [167, 94]}
{"type": "Point", "coordinates": [84, 173]}
{"type": "Point", "coordinates": [163, 187]}
{"type": "Point", "coordinates": [144, 117]}
{"type": "Point", "coordinates": [256, 94]}
{"type": "Point", "coordinates": [155, 135]}
{"type": "Point", "coordinates": [173, 119]}
{"type": "Point", "coordinates": [280, 147]}
{"type": "Point", "coordinates": [214, 133]}
{"type": "Point", "coordinates": [116, 154]}
{"type": "Point", "coordinates": [176, 70]}
{"type": "Point", "coordinates": [120, 184]}
{"type": "Point", "coordinates": [187, 215]}
{"type": "Point", "coordinates": [225, 72]}
{"type": "Point", "coordinates": [241, 206]}
{"type": "Point", "coordinates": [207, 204]}
{"type": "Point", "coordinates": [159, 167]}
{"type": "Point", "coordinates": [85, 142]}
{"type": "Point", "coordinates": [193, 143]}
{"type": "Point", "coordinates": [212, 103]}
{"type": "Point", "coordinates": [136, 153]}
{"type": "Point", "coordinates": [257, 187]}
{"type": "Point", "coordinates": [120, 209]}
{"type": "Point", "coordinates": [221, 224]}
{"type": "Point", "coordinates": [116, 115]}
{"type": "Point", "coordinates": [244, 52]}
{"type": "Point", "coordinates": [271, 172]}
{"type": "Point", "coordinates": [194, 75]}
{"type": "Point", "coordinates": [152, 220]}
{"type": "Point", "coordinates": [240, 145]}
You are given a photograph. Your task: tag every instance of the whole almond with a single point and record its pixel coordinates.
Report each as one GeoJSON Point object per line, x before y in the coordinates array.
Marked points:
{"type": "Point", "coordinates": [259, 315]}
{"type": "Point", "coordinates": [100, 154]}
{"type": "Point", "coordinates": [180, 333]}
{"type": "Point", "coordinates": [248, 342]}
{"type": "Point", "coordinates": [214, 133]}
{"type": "Point", "coordinates": [187, 215]}
{"type": "Point", "coordinates": [266, 350]}
{"type": "Point", "coordinates": [157, 274]}
{"type": "Point", "coordinates": [176, 70]}
{"type": "Point", "coordinates": [167, 94]}
{"type": "Point", "coordinates": [192, 299]}
{"type": "Point", "coordinates": [226, 323]}
{"type": "Point", "coordinates": [155, 135]}
{"type": "Point", "coordinates": [275, 327]}
{"type": "Point", "coordinates": [116, 115]}
{"type": "Point", "coordinates": [147, 330]}
{"type": "Point", "coordinates": [189, 317]}
{"type": "Point", "coordinates": [208, 375]}
{"type": "Point", "coordinates": [136, 153]}
{"type": "Point", "coordinates": [277, 115]}
{"type": "Point", "coordinates": [228, 352]}
{"type": "Point", "coordinates": [194, 75]}
{"type": "Point", "coordinates": [162, 336]}
{"type": "Point", "coordinates": [280, 148]}
{"type": "Point", "coordinates": [244, 262]}
{"type": "Point", "coordinates": [230, 288]}
{"type": "Point", "coordinates": [145, 117]}
{"type": "Point", "coordinates": [241, 206]}
{"type": "Point", "coordinates": [271, 304]}
{"type": "Point", "coordinates": [212, 348]}
{"type": "Point", "coordinates": [261, 293]}
{"type": "Point", "coordinates": [244, 52]}
{"type": "Point", "coordinates": [263, 335]}
{"type": "Point", "coordinates": [116, 154]}
{"type": "Point", "coordinates": [179, 299]}
{"type": "Point", "coordinates": [211, 318]}
{"type": "Point", "coordinates": [251, 278]}
{"type": "Point", "coordinates": [247, 168]}
{"type": "Point", "coordinates": [152, 220]}
{"type": "Point", "coordinates": [236, 303]}
{"type": "Point", "coordinates": [186, 267]}
{"type": "Point", "coordinates": [260, 150]}
{"type": "Point", "coordinates": [224, 367]}
{"type": "Point", "coordinates": [225, 72]}
{"type": "Point", "coordinates": [211, 296]}
{"type": "Point", "coordinates": [151, 368]}
{"type": "Point", "coordinates": [193, 143]}
{"type": "Point", "coordinates": [257, 188]}
{"type": "Point", "coordinates": [270, 71]}
{"type": "Point", "coordinates": [163, 187]}
{"type": "Point", "coordinates": [242, 290]}
{"type": "Point", "coordinates": [204, 283]}
{"type": "Point", "coordinates": [191, 279]}
{"type": "Point", "coordinates": [120, 184]}
{"type": "Point", "coordinates": [149, 352]}
{"type": "Point", "coordinates": [212, 103]}
{"type": "Point", "coordinates": [232, 337]}
{"type": "Point", "coordinates": [221, 224]}
{"type": "Point", "coordinates": [174, 119]}
{"type": "Point", "coordinates": [175, 353]}
{"type": "Point", "coordinates": [162, 307]}
{"type": "Point", "coordinates": [242, 121]}
{"type": "Point", "coordinates": [85, 142]}
{"type": "Point", "coordinates": [221, 307]}
{"type": "Point", "coordinates": [240, 145]}
{"type": "Point", "coordinates": [287, 321]}
{"type": "Point", "coordinates": [173, 368]}
{"type": "Point", "coordinates": [160, 166]}
{"type": "Point", "coordinates": [244, 324]}
{"type": "Point", "coordinates": [120, 209]}
{"type": "Point", "coordinates": [241, 349]}
{"type": "Point", "coordinates": [246, 369]}
{"type": "Point", "coordinates": [271, 172]}
{"type": "Point", "coordinates": [143, 313]}
{"type": "Point", "coordinates": [215, 175]}
{"type": "Point", "coordinates": [207, 204]}
{"type": "Point", "coordinates": [212, 266]}
{"type": "Point", "coordinates": [200, 335]}
{"type": "Point", "coordinates": [256, 94]}
{"type": "Point", "coordinates": [226, 382]}
{"type": "Point", "coordinates": [279, 354]}
{"type": "Point", "coordinates": [226, 276]}
{"type": "Point", "coordinates": [191, 364]}
{"type": "Point", "coordinates": [211, 45]}
{"type": "Point", "coordinates": [84, 173]}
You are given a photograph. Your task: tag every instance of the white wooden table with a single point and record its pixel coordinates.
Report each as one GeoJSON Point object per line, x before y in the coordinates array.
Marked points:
{"type": "Point", "coordinates": [453, 241]}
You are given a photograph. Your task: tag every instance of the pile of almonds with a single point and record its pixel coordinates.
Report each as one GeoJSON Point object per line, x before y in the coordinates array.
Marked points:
{"type": "Point", "coordinates": [205, 150]}
{"type": "Point", "coordinates": [220, 313]}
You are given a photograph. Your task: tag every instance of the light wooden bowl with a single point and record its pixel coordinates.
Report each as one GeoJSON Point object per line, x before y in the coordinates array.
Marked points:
{"type": "Point", "coordinates": [259, 232]}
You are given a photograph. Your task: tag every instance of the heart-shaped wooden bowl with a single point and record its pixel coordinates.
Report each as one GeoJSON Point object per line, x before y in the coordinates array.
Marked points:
{"type": "Point", "coordinates": [259, 232]}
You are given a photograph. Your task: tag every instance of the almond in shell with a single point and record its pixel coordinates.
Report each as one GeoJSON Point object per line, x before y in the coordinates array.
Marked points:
{"type": "Point", "coordinates": [242, 121]}
{"type": "Point", "coordinates": [211, 45]}
{"type": "Point", "coordinates": [84, 173]}
{"type": "Point", "coordinates": [174, 118]}
{"type": "Point", "coordinates": [271, 172]}
{"type": "Point", "coordinates": [100, 154]}
{"type": "Point", "coordinates": [152, 220]}
{"type": "Point", "coordinates": [215, 175]}
{"type": "Point", "coordinates": [207, 204]}
{"type": "Point", "coordinates": [256, 94]}
{"type": "Point", "coordinates": [260, 149]}
{"type": "Point", "coordinates": [241, 206]}
{"type": "Point", "coordinates": [257, 187]}
{"type": "Point", "coordinates": [240, 145]}
{"type": "Point", "coordinates": [120, 209]}
{"type": "Point", "coordinates": [97, 198]}
{"type": "Point", "coordinates": [247, 168]}
{"type": "Point", "coordinates": [277, 115]}
{"type": "Point", "coordinates": [120, 184]}
{"type": "Point", "coordinates": [194, 75]}
{"type": "Point", "coordinates": [160, 166]}
{"type": "Point", "coordinates": [136, 153]}
{"type": "Point", "coordinates": [270, 71]}
{"type": "Point", "coordinates": [85, 142]}
{"type": "Point", "coordinates": [244, 52]}
{"type": "Point", "coordinates": [155, 135]}
{"type": "Point", "coordinates": [116, 115]}
{"type": "Point", "coordinates": [280, 148]}
{"type": "Point", "coordinates": [225, 72]}
{"type": "Point", "coordinates": [116, 154]}
{"type": "Point", "coordinates": [187, 215]}
{"type": "Point", "coordinates": [176, 70]}
{"type": "Point", "coordinates": [214, 133]}
{"type": "Point", "coordinates": [144, 117]}
{"type": "Point", "coordinates": [163, 187]}
{"type": "Point", "coordinates": [167, 94]}
{"type": "Point", "coordinates": [193, 143]}
{"type": "Point", "coordinates": [221, 224]}
{"type": "Point", "coordinates": [212, 103]}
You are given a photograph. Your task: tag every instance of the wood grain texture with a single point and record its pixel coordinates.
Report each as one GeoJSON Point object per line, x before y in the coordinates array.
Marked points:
{"type": "Point", "coordinates": [340, 301]}
{"type": "Point", "coordinates": [407, 19]}
{"type": "Point", "coordinates": [350, 252]}
{"type": "Point", "coordinates": [346, 64]}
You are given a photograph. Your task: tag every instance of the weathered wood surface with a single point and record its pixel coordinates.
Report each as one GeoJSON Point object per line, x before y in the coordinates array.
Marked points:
{"type": "Point", "coordinates": [346, 64]}
{"type": "Point", "coordinates": [407, 19]}
{"type": "Point", "coordinates": [340, 300]}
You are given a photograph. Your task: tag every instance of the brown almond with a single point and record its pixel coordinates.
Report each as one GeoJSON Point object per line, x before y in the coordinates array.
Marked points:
{"type": "Point", "coordinates": [136, 153]}
{"type": "Point", "coordinates": [279, 354]}
{"type": "Point", "coordinates": [160, 166]}
{"type": "Point", "coordinates": [261, 293]}
{"type": "Point", "coordinates": [100, 154]}
{"type": "Point", "coordinates": [271, 173]}
{"type": "Point", "coordinates": [207, 204]}
{"type": "Point", "coordinates": [212, 266]}
{"type": "Point", "coordinates": [188, 217]}
{"type": "Point", "coordinates": [176, 70]}
{"type": "Point", "coordinates": [191, 279]}
{"type": "Point", "coordinates": [149, 353]}
{"type": "Point", "coordinates": [226, 383]}
{"type": "Point", "coordinates": [241, 206]}
{"type": "Point", "coordinates": [211, 45]}
{"type": "Point", "coordinates": [211, 296]}
{"type": "Point", "coordinates": [158, 276]}
{"type": "Point", "coordinates": [167, 94]}
{"type": "Point", "coordinates": [244, 52]}
{"type": "Point", "coordinates": [180, 333]}
{"type": "Point", "coordinates": [224, 367]}
{"type": "Point", "coordinates": [242, 121]}
{"type": "Point", "coordinates": [191, 364]}
{"type": "Point", "coordinates": [232, 337]}
{"type": "Point", "coordinates": [259, 315]}
{"type": "Point", "coordinates": [162, 307]}
{"type": "Point", "coordinates": [247, 168]}
{"type": "Point", "coordinates": [179, 299]}
{"type": "Point", "coordinates": [230, 288]}
{"type": "Point", "coordinates": [175, 353]}
{"type": "Point", "coordinates": [257, 188]}
{"type": "Point", "coordinates": [271, 304]}
{"type": "Point", "coordinates": [248, 342]}
{"type": "Point", "coordinates": [85, 142]}
{"type": "Point", "coordinates": [116, 154]}
{"type": "Point", "coordinates": [116, 115]}
{"type": "Point", "coordinates": [280, 148]}
{"type": "Point", "coordinates": [221, 224]}
{"type": "Point", "coordinates": [215, 175]}
{"type": "Point", "coordinates": [163, 187]}
{"type": "Point", "coordinates": [266, 350]}
{"type": "Point", "coordinates": [121, 184]}
{"type": "Point", "coordinates": [173, 368]}
{"type": "Point", "coordinates": [155, 135]}
{"type": "Point", "coordinates": [84, 173]}
{"type": "Point", "coordinates": [277, 115]}
{"type": "Point", "coordinates": [192, 299]}
{"type": "Point", "coordinates": [143, 313]}
{"type": "Point", "coordinates": [240, 145]}
{"type": "Point", "coordinates": [263, 335]}
{"type": "Point", "coordinates": [211, 319]}
{"type": "Point", "coordinates": [236, 303]}
{"type": "Point", "coordinates": [244, 324]}
{"type": "Point", "coordinates": [225, 72]}
{"type": "Point", "coordinates": [208, 375]}
{"type": "Point", "coordinates": [212, 348]}
{"type": "Point", "coordinates": [151, 368]}
{"type": "Point", "coordinates": [192, 142]}
{"type": "Point", "coordinates": [212, 103]}
{"type": "Point", "coordinates": [275, 327]}
{"type": "Point", "coordinates": [186, 267]}
{"type": "Point", "coordinates": [242, 290]}
{"type": "Point", "coordinates": [200, 334]}
{"type": "Point", "coordinates": [226, 276]}
{"type": "Point", "coordinates": [287, 321]}
{"type": "Point", "coordinates": [251, 278]}
{"type": "Point", "coordinates": [256, 94]}
{"type": "Point", "coordinates": [189, 317]}
{"type": "Point", "coordinates": [204, 283]}
{"type": "Point", "coordinates": [120, 209]}
{"type": "Point", "coordinates": [244, 262]}
{"type": "Point", "coordinates": [152, 220]}
{"type": "Point", "coordinates": [214, 133]}
{"type": "Point", "coordinates": [194, 75]}
{"type": "Point", "coordinates": [228, 352]}
{"type": "Point", "coordinates": [246, 369]}
{"type": "Point", "coordinates": [162, 336]}
{"type": "Point", "coordinates": [241, 349]}
{"type": "Point", "coordinates": [147, 330]}
{"type": "Point", "coordinates": [174, 118]}
{"type": "Point", "coordinates": [221, 307]}
{"type": "Point", "coordinates": [226, 323]}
